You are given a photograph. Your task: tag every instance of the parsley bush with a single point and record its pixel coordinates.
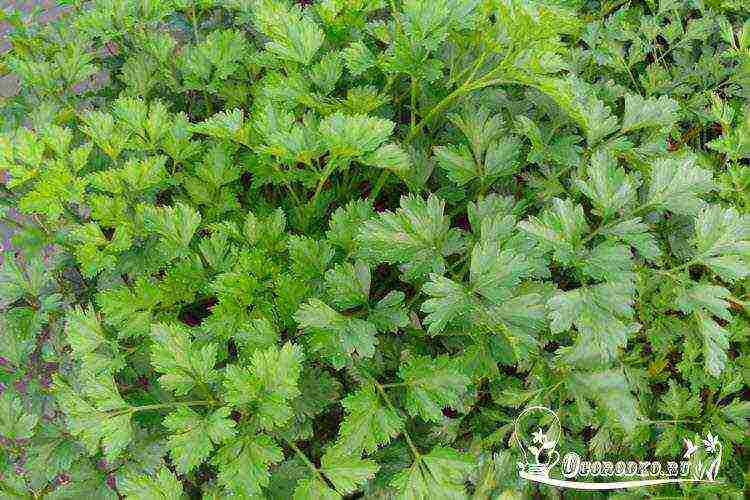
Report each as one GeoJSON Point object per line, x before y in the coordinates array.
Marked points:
{"type": "Point", "coordinates": [332, 248]}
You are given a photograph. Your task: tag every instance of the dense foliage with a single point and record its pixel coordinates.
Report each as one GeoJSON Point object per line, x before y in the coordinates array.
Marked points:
{"type": "Point", "coordinates": [332, 248]}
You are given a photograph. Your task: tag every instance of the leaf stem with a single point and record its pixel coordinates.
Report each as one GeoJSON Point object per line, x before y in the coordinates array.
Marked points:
{"type": "Point", "coordinates": [159, 406]}
{"type": "Point", "coordinates": [307, 462]}
{"type": "Point", "coordinates": [380, 388]}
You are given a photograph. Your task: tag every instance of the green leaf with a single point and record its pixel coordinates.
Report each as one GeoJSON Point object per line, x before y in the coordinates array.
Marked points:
{"type": "Point", "coordinates": [602, 315]}
{"type": "Point", "coordinates": [390, 157]}
{"type": "Point", "coordinates": [431, 385]}
{"type": "Point", "coordinates": [609, 389]}
{"type": "Point", "coordinates": [345, 223]}
{"type": "Point", "coordinates": [709, 298]}
{"type": "Point", "coordinates": [715, 344]}
{"type": "Point", "coordinates": [15, 423]}
{"type": "Point", "coordinates": [293, 35]}
{"type": "Point", "coordinates": [636, 234]}
{"type": "Point", "coordinates": [348, 285]}
{"type": "Point", "coordinates": [175, 225]}
{"type": "Point", "coordinates": [494, 273]}
{"type": "Point", "coordinates": [705, 301]}
{"type": "Point", "coordinates": [105, 422]}
{"type": "Point", "coordinates": [458, 163]}
{"type": "Point", "coordinates": [278, 372]}
{"type": "Point", "coordinates": [336, 336]}
{"type": "Point", "coordinates": [183, 364]}
{"type": "Point", "coordinates": [722, 241]}
{"type": "Point", "coordinates": [578, 99]}
{"type": "Point", "coordinates": [244, 464]}
{"type": "Point", "coordinates": [650, 112]}
{"type": "Point", "coordinates": [314, 489]}
{"type": "Point", "coordinates": [449, 301]}
{"type": "Point", "coordinates": [310, 258]}
{"type": "Point", "coordinates": [161, 486]}
{"type": "Point", "coordinates": [195, 435]}
{"type": "Point", "coordinates": [347, 472]}
{"type": "Point", "coordinates": [367, 424]}
{"type": "Point", "coordinates": [677, 183]}
{"type": "Point", "coordinates": [608, 187]}
{"type": "Point", "coordinates": [439, 474]}
{"type": "Point", "coordinates": [561, 228]}
{"type": "Point", "coordinates": [418, 236]}
{"type": "Point", "coordinates": [84, 331]}
{"type": "Point", "coordinates": [353, 136]}
{"type": "Point", "coordinates": [129, 309]}
{"type": "Point", "coordinates": [229, 125]}
{"type": "Point", "coordinates": [20, 327]}
{"type": "Point", "coordinates": [389, 314]}
{"type": "Point", "coordinates": [358, 58]}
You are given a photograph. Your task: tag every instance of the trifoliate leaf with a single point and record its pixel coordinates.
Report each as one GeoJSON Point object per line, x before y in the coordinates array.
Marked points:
{"type": "Point", "coordinates": [244, 464]}
{"type": "Point", "coordinates": [636, 234]}
{"type": "Point", "coordinates": [439, 474]}
{"type": "Point", "coordinates": [15, 423]}
{"type": "Point", "coordinates": [314, 489]}
{"type": "Point", "coordinates": [418, 236]}
{"type": "Point", "coordinates": [578, 99]}
{"type": "Point", "coordinates": [561, 228]}
{"type": "Point", "coordinates": [431, 385]}
{"type": "Point", "coordinates": [608, 187]}
{"type": "Point", "coordinates": [611, 390]}
{"type": "Point", "coordinates": [368, 423]}
{"type": "Point", "coordinates": [458, 163]}
{"type": "Point", "coordinates": [175, 225]}
{"type": "Point", "coordinates": [310, 258]}
{"type": "Point", "coordinates": [347, 472]}
{"type": "Point", "coordinates": [194, 436]}
{"type": "Point", "coordinates": [348, 285]}
{"type": "Point", "coordinates": [129, 309]}
{"type": "Point", "coordinates": [293, 35]}
{"type": "Point", "coordinates": [651, 112]}
{"type": "Point", "coordinates": [334, 335]}
{"type": "Point", "coordinates": [84, 331]}
{"type": "Point", "coordinates": [449, 301]}
{"type": "Point", "coordinates": [358, 58]}
{"type": "Point", "coordinates": [346, 222]}
{"type": "Point", "coordinates": [183, 364]}
{"type": "Point", "coordinates": [677, 183]}
{"type": "Point", "coordinates": [715, 344]}
{"type": "Point", "coordinates": [229, 125]}
{"type": "Point", "coordinates": [722, 239]}
{"type": "Point", "coordinates": [162, 486]}
{"type": "Point", "coordinates": [353, 136]}
{"type": "Point", "coordinates": [105, 422]}
{"type": "Point", "coordinates": [608, 261]}
{"type": "Point", "coordinates": [389, 314]}
{"type": "Point", "coordinates": [602, 314]}
{"type": "Point", "coordinates": [390, 157]}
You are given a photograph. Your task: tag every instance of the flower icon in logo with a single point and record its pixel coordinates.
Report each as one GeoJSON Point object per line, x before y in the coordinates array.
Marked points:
{"type": "Point", "coordinates": [710, 443]}
{"type": "Point", "coordinates": [537, 447]}
{"type": "Point", "coordinates": [704, 470]}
